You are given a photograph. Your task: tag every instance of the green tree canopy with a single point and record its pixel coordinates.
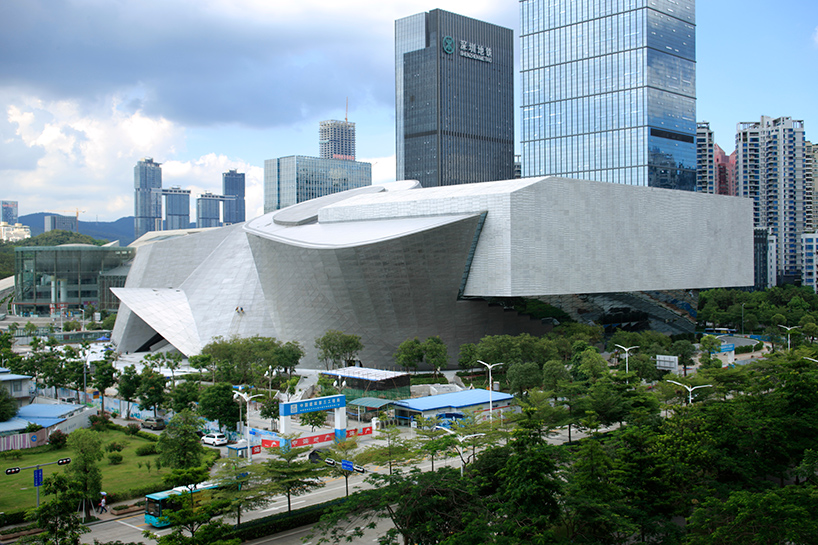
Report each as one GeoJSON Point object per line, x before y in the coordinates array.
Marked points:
{"type": "Point", "coordinates": [86, 446]}
{"type": "Point", "coordinates": [128, 386]}
{"type": "Point", "coordinates": [179, 446]}
{"type": "Point", "coordinates": [336, 348]}
{"type": "Point", "coordinates": [216, 403]}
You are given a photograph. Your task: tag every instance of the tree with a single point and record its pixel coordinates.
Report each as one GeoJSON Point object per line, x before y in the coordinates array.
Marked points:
{"type": "Point", "coordinates": [683, 350]}
{"type": "Point", "coordinates": [424, 508]}
{"type": "Point", "coordinates": [128, 387]}
{"type": "Point", "coordinates": [216, 403]}
{"type": "Point", "coordinates": [409, 354]}
{"type": "Point", "coordinates": [344, 450]}
{"type": "Point", "coordinates": [467, 358]}
{"type": "Point", "coordinates": [204, 362]}
{"type": "Point", "coordinates": [243, 485]}
{"type": "Point", "coordinates": [523, 376]}
{"type": "Point", "coordinates": [431, 439]}
{"type": "Point", "coordinates": [436, 354]}
{"type": "Point", "coordinates": [57, 516]}
{"type": "Point", "coordinates": [315, 419]}
{"type": "Point", "coordinates": [184, 396]}
{"type": "Point", "coordinates": [291, 474]}
{"type": "Point", "coordinates": [195, 522]}
{"type": "Point", "coordinates": [8, 405]}
{"type": "Point", "coordinates": [336, 348]}
{"type": "Point", "coordinates": [83, 471]}
{"type": "Point", "coordinates": [179, 446]}
{"type": "Point", "coordinates": [269, 409]}
{"type": "Point", "coordinates": [395, 452]}
{"type": "Point", "coordinates": [151, 390]}
{"type": "Point", "coordinates": [290, 356]}
{"type": "Point", "coordinates": [104, 377]}
{"type": "Point", "coordinates": [554, 372]}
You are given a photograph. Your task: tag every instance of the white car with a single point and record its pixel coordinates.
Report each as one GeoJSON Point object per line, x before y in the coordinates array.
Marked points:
{"type": "Point", "coordinates": [215, 439]}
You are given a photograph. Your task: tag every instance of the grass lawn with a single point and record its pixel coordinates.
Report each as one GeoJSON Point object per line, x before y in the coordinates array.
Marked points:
{"type": "Point", "coordinates": [18, 491]}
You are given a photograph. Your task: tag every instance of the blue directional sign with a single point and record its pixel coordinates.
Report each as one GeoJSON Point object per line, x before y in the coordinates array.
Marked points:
{"type": "Point", "coordinates": [728, 347]}
{"type": "Point", "coordinates": [347, 465]}
{"type": "Point", "coordinates": [38, 477]}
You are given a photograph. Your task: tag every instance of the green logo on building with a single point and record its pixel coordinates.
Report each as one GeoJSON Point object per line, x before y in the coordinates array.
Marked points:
{"type": "Point", "coordinates": [448, 44]}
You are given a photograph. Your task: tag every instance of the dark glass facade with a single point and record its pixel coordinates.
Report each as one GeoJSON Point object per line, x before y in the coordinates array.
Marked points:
{"type": "Point", "coordinates": [454, 79]}
{"type": "Point", "coordinates": [54, 279]}
{"type": "Point", "coordinates": [8, 212]}
{"type": "Point", "coordinates": [609, 91]}
{"type": "Point", "coordinates": [233, 185]}
{"type": "Point", "coordinates": [147, 182]}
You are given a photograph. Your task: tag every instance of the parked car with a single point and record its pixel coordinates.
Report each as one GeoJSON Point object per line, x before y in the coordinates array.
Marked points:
{"type": "Point", "coordinates": [214, 438]}
{"type": "Point", "coordinates": [154, 423]}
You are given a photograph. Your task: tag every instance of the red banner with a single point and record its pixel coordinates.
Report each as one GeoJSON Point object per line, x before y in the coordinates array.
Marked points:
{"type": "Point", "coordinates": [315, 439]}
{"type": "Point", "coordinates": [256, 449]}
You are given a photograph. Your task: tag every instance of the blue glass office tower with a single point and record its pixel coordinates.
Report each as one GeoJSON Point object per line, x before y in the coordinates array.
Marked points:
{"type": "Point", "coordinates": [454, 101]}
{"type": "Point", "coordinates": [297, 178]}
{"type": "Point", "coordinates": [8, 212]}
{"type": "Point", "coordinates": [207, 210]}
{"type": "Point", "coordinates": [233, 185]}
{"type": "Point", "coordinates": [147, 181]}
{"type": "Point", "coordinates": [609, 91]}
{"type": "Point", "coordinates": [177, 208]}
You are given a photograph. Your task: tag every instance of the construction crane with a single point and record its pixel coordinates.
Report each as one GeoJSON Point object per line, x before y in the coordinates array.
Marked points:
{"type": "Point", "coordinates": [76, 212]}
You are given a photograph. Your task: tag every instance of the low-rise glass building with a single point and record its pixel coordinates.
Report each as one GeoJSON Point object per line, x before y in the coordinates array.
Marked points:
{"type": "Point", "coordinates": [51, 279]}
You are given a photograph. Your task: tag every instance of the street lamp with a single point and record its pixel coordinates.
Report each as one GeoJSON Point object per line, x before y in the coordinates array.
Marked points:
{"type": "Point", "coordinates": [810, 359]}
{"type": "Point", "coordinates": [460, 439]}
{"type": "Point", "coordinates": [788, 333]}
{"type": "Point", "coordinates": [247, 399]}
{"type": "Point", "coordinates": [491, 387]}
{"type": "Point", "coordinates": [742, 318]}
{"type": "Point", "coordinates": [627, 352]}
{"type": "Point", "coordinates": [689, 389]}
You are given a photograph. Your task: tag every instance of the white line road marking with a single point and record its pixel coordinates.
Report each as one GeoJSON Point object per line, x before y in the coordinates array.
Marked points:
{"type": "Point", "coordinates": [130, 525]}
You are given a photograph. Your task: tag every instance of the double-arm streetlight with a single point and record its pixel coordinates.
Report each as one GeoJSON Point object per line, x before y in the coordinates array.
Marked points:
{"type": "Point", "coordinates": [690, 389]}
{"type": "Point", "coordinates": [627, 352]}
{"type": "Point", "coordinates": [246, 399]}
{"type": "Point", "coordinates": [491, 387]}
{"type": "Point", "coordinates": [788, 333]}
{"type": "Point", "coordinates": [460, 439]}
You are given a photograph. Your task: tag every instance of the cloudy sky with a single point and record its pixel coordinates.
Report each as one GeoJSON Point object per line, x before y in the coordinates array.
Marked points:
{"type": "Point", "coordinates": [88, 87]}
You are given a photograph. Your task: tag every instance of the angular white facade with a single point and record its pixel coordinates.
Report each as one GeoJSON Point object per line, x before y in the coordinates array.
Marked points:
{"type": "Point", "coordinates": [397, 261]}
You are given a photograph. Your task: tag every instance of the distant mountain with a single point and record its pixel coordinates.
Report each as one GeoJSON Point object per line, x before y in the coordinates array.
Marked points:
{"type": "Point", "coordinates": [121, 229]}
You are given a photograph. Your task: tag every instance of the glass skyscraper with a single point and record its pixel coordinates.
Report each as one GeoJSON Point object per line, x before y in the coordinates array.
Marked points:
{"type": "Point", "coordinates": [208, 207]}
{"type": "Point", "coordinates": [177, 208]}
{"type": "Point", "coordinates": [454, 103]}
{"type": "Point", "coordinates": [147, 181]}
{"type": "Point", "coordinates": [233, 185]}
{"type": "Point", "coordinates": [609, 91]}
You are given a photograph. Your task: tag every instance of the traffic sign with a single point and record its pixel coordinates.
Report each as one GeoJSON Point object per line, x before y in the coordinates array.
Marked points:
{"type": "Point", "coordinates": [347, 465]}
{"type": "Point", "coordinates": [38, 477]}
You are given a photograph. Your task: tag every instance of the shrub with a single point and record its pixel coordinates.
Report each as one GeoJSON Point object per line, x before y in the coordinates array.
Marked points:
{"type": "Point", "coordinates": [146, 450]}
{"type": "Point", "coordinates": [57, 439]}
{"type": "Point", "coordinates": [114, 458]}
{"type": "Point", "coordinates": [132, 429]}
{"type": "Point", "coordinates": [99, 423]}
{"type": "Point", "coordinates": [113, 446]}
{"type": "Point", "coordinates": [148, 436]}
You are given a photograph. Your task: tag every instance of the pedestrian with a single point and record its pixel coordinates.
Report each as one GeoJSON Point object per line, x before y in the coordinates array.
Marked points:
{"type": "Point", "coordinates": [102, 508]}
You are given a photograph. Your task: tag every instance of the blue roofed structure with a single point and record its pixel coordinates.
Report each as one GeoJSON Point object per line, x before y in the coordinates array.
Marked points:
{"type": "Point", "coordinates": [467, 400]}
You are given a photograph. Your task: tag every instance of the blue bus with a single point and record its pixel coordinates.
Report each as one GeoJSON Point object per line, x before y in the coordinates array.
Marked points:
{"type": "Point", "coordinates": [159, 504]}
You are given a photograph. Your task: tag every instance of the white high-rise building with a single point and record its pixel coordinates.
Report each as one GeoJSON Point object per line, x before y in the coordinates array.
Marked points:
{"type": "Point", "coordinates": [705, 159]}
{"type": "Point", "coordinates": [771, 169]}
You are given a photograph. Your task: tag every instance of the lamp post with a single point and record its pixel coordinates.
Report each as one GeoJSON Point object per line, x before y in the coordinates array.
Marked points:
{"type": "Point", "coordinates": [690, 389]}
{"type": "Point", "coordinates": [460, 439]}
{"type": "Point", "coordinates": [627, 353]}
{"type": "Point", "coordinates": [742, 318]}
{"type": "Point", "coordinates": [810, 359]}
{"type": "Point", "coordinates": [247, 399]}
{"type": "Point", "coordinates": [788, 333]}
{"type": "Point", "coordinates": [491, 387]}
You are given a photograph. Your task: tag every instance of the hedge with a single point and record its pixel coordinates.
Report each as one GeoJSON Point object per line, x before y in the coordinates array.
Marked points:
{"type": "Point", "coordinates": [283, 521]}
